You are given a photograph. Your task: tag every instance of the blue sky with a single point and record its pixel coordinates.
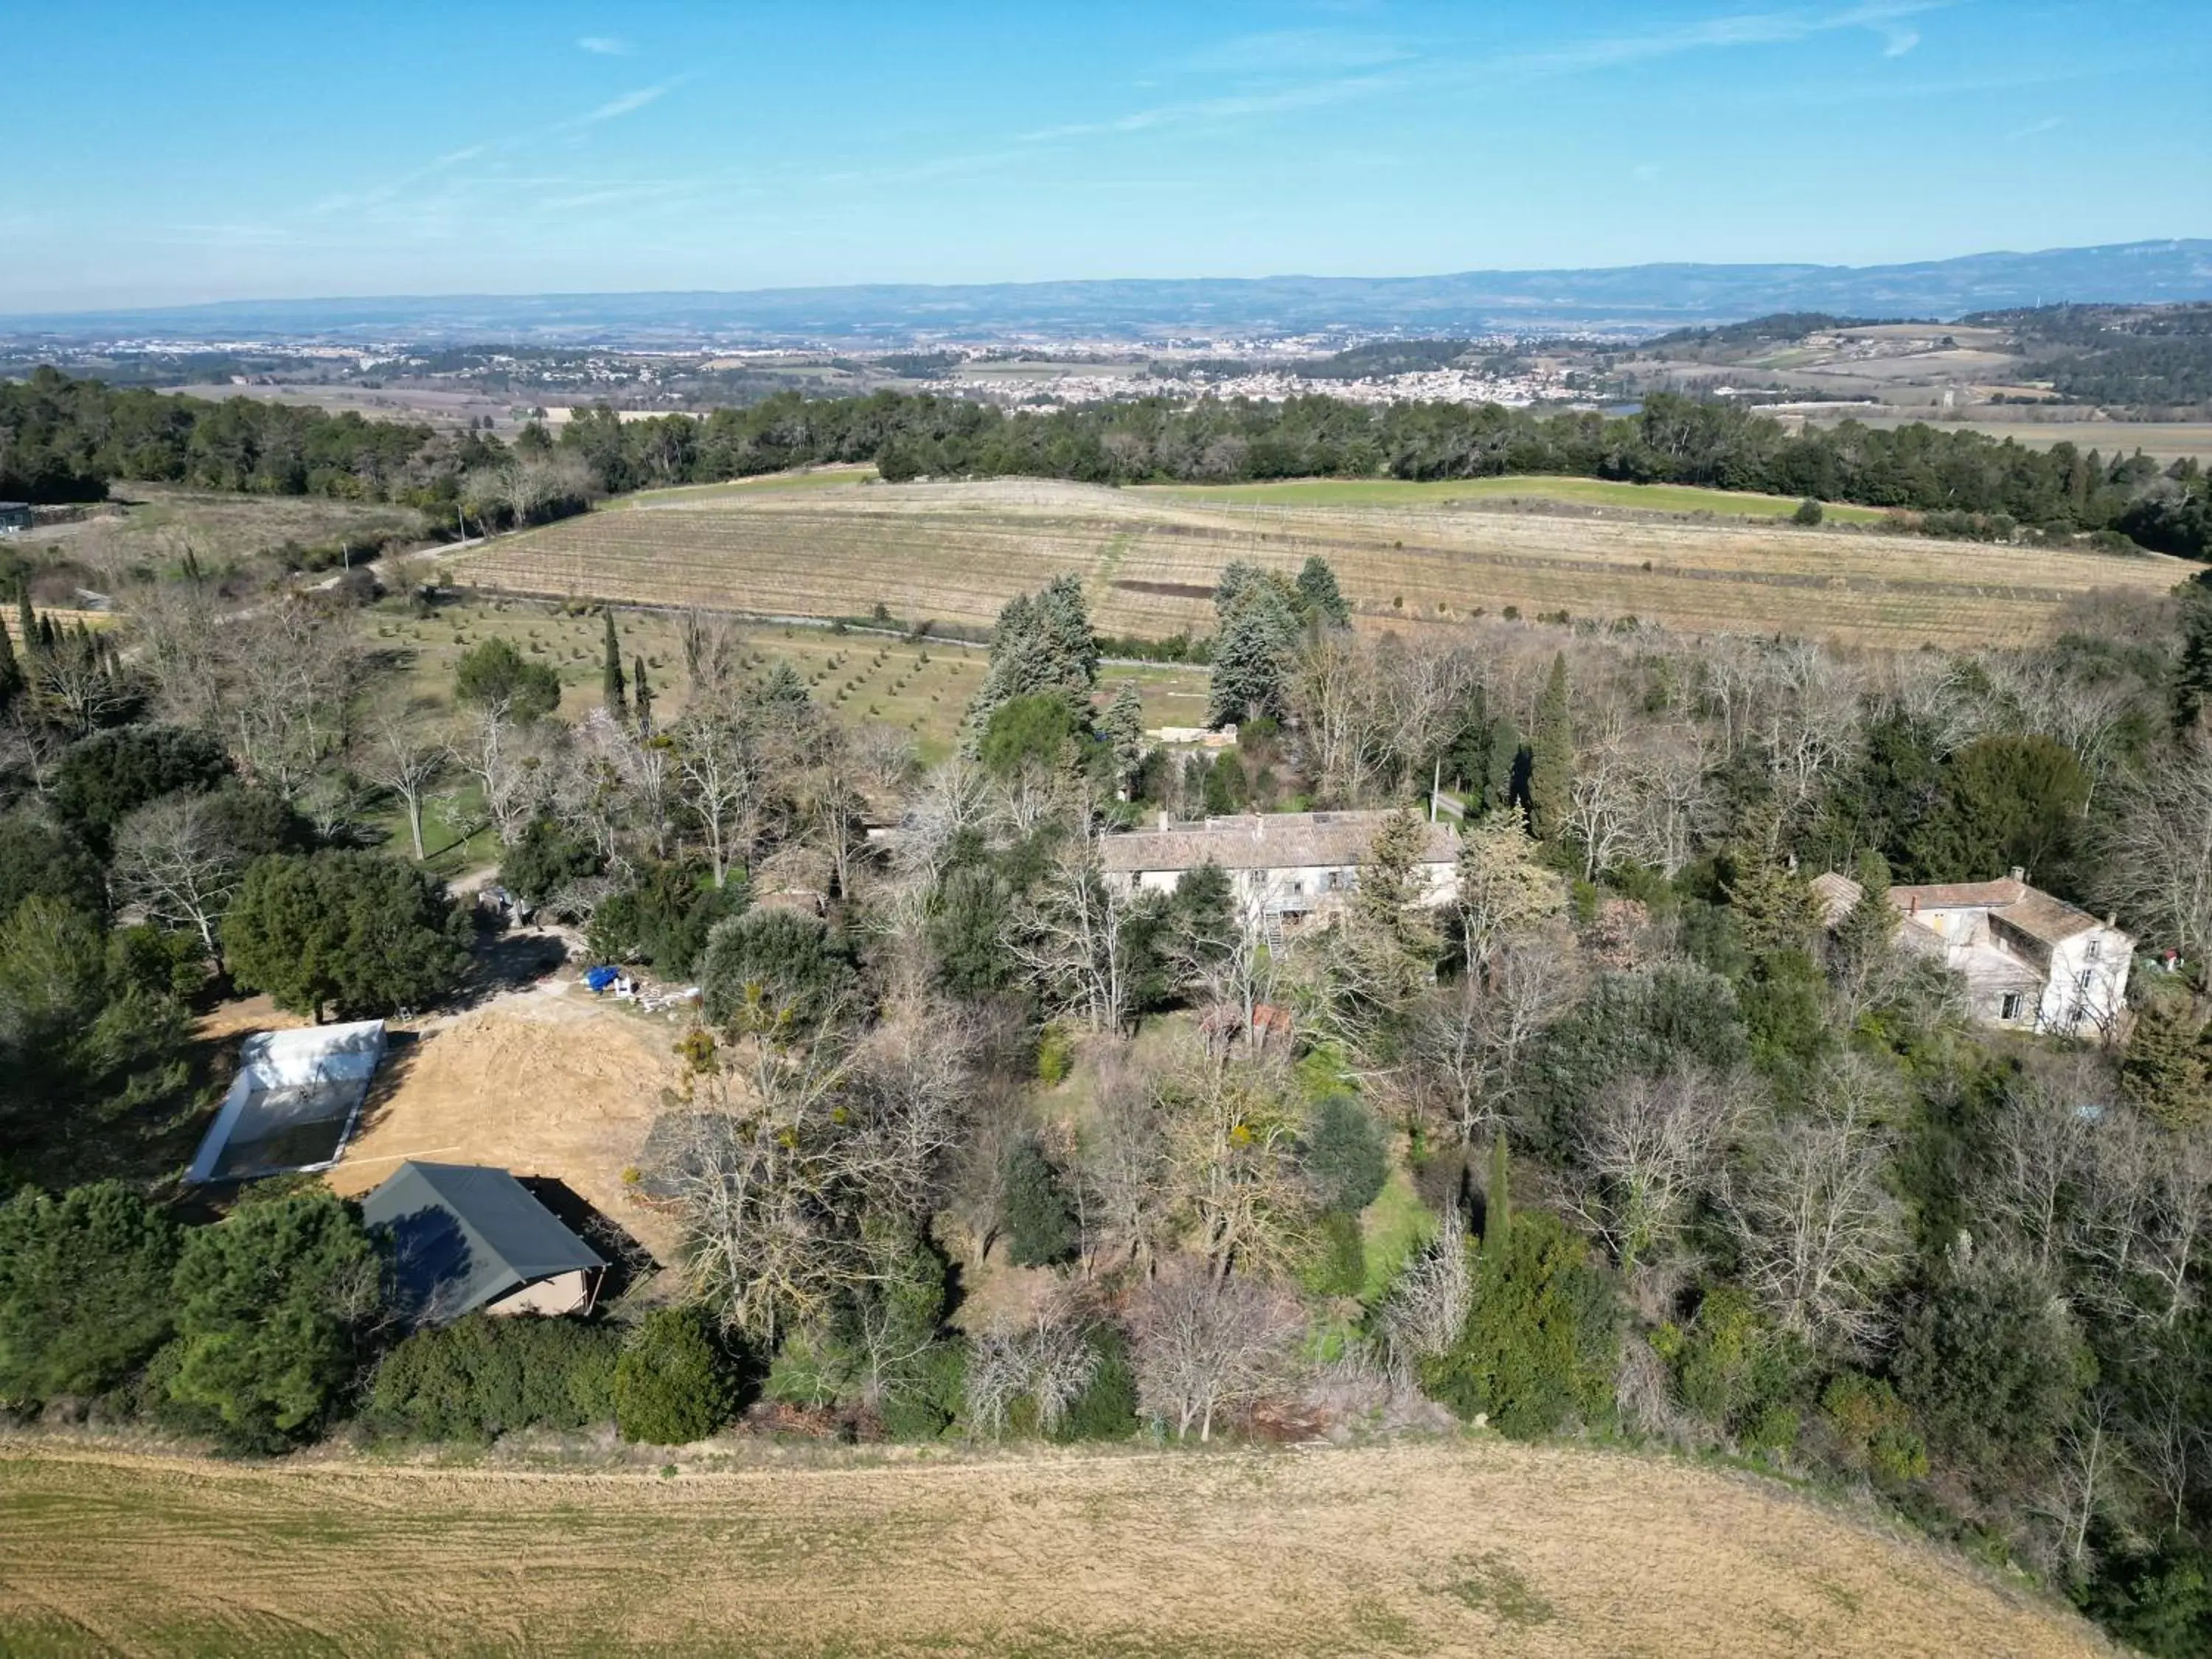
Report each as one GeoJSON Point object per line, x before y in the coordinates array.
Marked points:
{"type": "Point", "coordinates": [176, 152]}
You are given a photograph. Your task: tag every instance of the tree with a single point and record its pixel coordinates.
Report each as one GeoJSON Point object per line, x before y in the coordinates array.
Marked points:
{"type": "Point", "coordinates": [642, 691]}
{"type": "Point", "coordinates": [1808, 513]}
{"type": "Point", "coordinates": [271, 1303]}
{"type": "Point", "coordinates": [1542, 1333]}
{"type": "Point", "coordinates": [1820, 1237]}
{"type": "Point", "coordinates": [1552, 768]}
{"type": "Point", "coordinates": [398, 758]}
{"type": "Point", "coordinates": [1122, 725]}
{"type": "Point", "coordinates": [2158, 848]}
{"type": "Point", "coordinates": [547, 860]}
{"type": "Point", "coordinates": [2006, 803]}
{"type": "Point", "coordinates": [672, 1385]}
{"type": "Point", "coordinates": [84, 1289]}
{"type": "Point", "coordinates": [1503, 893]}
{"type": "Point", "coordinates": [1647, 1151]}
{"type": "Point", "coordinates": [110, 774]}
{"type": "Point", "coordinates": [495, 674]}
{"type": "Point", "coordinates": [1252, 651]}
{"type": "Point", "coordinates": [39, 857]}
{"type": "Point", "coordinates": [1993, 1366]}
{"type": "Point", "coordinates": [1205, 1346]}
{"type": "Point", "coordinates": [613, 692]}
{"type": "Point", "coordinates": [2167, 1068]}
{"type": "Point", "coordinates": [1040, 1228]}
{"type": "Point", "coordinates": [1074, 933]}
{"type": "Point", "coordinates": [173, 859]}
{"type": "Point", "coordinates": [788, 960]}
{"type": "Point", "coordinates": [2192, 668]}
{"type": "Point", "coordinates": [1344, 1155]}
{"type": "Point", "coordinates": [1320, 599]}
{"type": "Point", "coordinates": [1042, 643]}
{"type": "Point", "coordinates": [359, 930]}
{"type": "Point", "coordinates": [1035, 732]}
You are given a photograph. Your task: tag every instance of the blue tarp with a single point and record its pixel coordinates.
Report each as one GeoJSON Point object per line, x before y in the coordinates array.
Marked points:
{"type": "Point", "coordinates": [599, 978]}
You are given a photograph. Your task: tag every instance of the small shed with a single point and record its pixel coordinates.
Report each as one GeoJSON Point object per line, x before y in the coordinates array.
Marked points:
{"type": "Point", "coordinates": [465, 1237]}
{"type": "Point", "coordinates": [14, 515]}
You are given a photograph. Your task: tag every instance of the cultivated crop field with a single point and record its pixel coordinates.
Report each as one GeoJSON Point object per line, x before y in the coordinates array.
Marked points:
{"type": "Point", "coordinates": [1476, 1547]}
{"type": "Point", "coordinates": [1518, 489]}
{"type": "Point", "coordinates": [1149, 559]}
{"type": "Point", "coordinates": [920, 686]}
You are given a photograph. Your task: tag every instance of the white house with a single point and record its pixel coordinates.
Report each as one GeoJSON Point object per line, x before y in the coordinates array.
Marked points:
{"type": "Point", "coordinates": [1284, 866]}
{"type": "Point", "coordinates": [2030, 961]}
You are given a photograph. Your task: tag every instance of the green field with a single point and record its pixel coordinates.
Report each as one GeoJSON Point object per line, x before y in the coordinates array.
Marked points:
{"type": "Point", "coordinates": [1583, 492]}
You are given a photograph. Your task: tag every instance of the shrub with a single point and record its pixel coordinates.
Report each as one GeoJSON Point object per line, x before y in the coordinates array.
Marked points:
{"type": "Point", "coordinates": [1056, 1056]}
{"type": "Point", "coordinates": [482, 1377]}
{"type": "Point", "coordinates": [1041, 1226]}
{"type": "Point", "coordinates": [1344, 1155]}
{"type": "Point", "coordinates": [663, 918]}
{"type": "Point", "coordinates": [1994, 1368]}
{"type": "Point", "coordinates": [1740, 1374]}
{"type": "Point", "coordinates": [927, 1400]}
{"type": "Point", "coordinates": [1808, 513]}
{"type": "Point", "coordinates": [1873, 1430]}
{"type": "Point", "coordinates": [1541, 1339]}
{"type": "Point", "coordinates": [494, 673]}
{"type": "Point", "coordinates": [1338, 1264]}
{"type": "Point", "coordinates": [547, 859]}
{"type": "Point", "coordinates": [673, 1384]}
{"type": "Point", "coordinates": [1106, 1407]}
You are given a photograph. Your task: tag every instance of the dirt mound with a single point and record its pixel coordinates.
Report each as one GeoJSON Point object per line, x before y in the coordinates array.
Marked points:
{"type": "Point", "coordinates": [549, 1083]}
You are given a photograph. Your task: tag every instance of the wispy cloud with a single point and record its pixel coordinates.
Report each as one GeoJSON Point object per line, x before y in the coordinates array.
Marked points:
{"type": "Point", "coordinates": [2048, 123]}
{"type": "Point", "coordinates": [1896, 42]}
{"type": "Point", "coordinates": [614, 108]}
{"type": "Point", "coordinates": [606, 46]}
{"type": "Point", "coordinates": [1292, 52]}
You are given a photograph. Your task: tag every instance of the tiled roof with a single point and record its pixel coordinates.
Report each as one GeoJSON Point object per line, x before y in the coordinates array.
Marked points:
{"type": "Point", "coordinates": [2043, 917]}
{"type": "Point", "coordinates": [2033, 912]}
{"type": "Point", "coordinates": [1961, 895]}
{"type": "Point", "coordinates": [1274, 841]}
{"type": "Point", "coordinates": [1837, 895]}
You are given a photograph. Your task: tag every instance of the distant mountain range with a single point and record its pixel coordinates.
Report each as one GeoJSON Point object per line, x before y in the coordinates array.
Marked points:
{"type": "Point", "coordinates": [1629, 298]}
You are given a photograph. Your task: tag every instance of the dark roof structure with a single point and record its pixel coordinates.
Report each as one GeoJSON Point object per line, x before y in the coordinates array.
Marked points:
{"type": "Point", "coordinates": [463, 1235]}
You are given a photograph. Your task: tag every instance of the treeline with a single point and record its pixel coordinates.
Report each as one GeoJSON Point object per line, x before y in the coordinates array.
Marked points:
{"type": "Point", "coordinates": [61, 439]}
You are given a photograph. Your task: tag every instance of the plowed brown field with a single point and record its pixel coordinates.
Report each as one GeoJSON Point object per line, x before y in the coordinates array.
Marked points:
{"type": "Point", "coordinates": [1470, 1547]}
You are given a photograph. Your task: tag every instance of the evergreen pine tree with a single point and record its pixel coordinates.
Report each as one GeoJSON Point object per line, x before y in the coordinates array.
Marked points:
{"type": "Point", "coordinates": [1252, 657]}
{"type": "Point", "coordinates": [1320, 599]}
{"type": "Point", "coordinates": [26, 623]}
{"type": "Point", "coordinates": [1504, 764]}
{"type": "Point", "coordinates": [2193, 672]}
{"type": "Point", "coordinates": [1552, 771]}
{"type": "Point", "coordinates": [1122, 725]}
{"type": "Point", "coordinates": [643, 694]}
{"type": "Point", "coordinates": [1865, 930]}
{"type": "Point", "coordinates": [1043, 642]}
{"type": "Point", "coordinates": [613, 690]}
{"type": "Point", "coordinates": [2167, 1069]}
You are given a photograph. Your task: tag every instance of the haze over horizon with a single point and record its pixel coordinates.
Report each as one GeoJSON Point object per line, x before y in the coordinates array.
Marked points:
{"type": "Point", "coordinates": [656, 148]}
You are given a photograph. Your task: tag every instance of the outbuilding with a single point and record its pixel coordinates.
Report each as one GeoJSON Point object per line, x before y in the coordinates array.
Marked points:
{"type": "Point", "coordinates": [13, 516]}
{"type": "Point", "coordinates": [465, 1237]}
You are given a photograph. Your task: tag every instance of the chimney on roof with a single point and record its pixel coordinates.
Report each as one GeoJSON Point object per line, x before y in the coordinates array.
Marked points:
{"type": "Point", "coordinates": [1915, 906]}
{"type": "Point", "coordinates": [2019, 874]}
{"type": "Point", "coordinates": [2112, 919]}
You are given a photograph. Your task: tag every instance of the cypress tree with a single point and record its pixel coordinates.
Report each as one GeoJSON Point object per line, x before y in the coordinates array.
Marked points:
{"type": "Point", "coordinates": [613, 690]}
{"type": "Point", "coordinates": [48, 640]}
{"type": "Point", "coordinates": [1504, 762]}
{"type": "Point", "coordinates": [26, 623]}
{"type": "Point", "coordinates": [11, 672]}
{"type": "Point", "coordinates": [2192, 673]}
{"type": "Point", "coordinates": [1552, 772]}
{"type": "Point", "coordinates": [1498, 1195]}
{"type": "Point", "coordinates": [643, 693]}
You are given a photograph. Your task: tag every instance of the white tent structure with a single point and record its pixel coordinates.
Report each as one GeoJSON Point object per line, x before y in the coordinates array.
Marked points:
{"type": "Point", "coordinates": [292, 1105]}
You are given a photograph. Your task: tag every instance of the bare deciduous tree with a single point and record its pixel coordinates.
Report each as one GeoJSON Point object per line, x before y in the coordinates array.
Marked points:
{"type": "Point", "coordinates": [1646, 1151]}
{"type": "Point", "coordinates": [399, 756]}
{"type": "Point", "coordinates": [1205, 1346]}
{"type": "Point", "coordinates": [173, 858]}
{"type": "Point", "coordinates": [1047, 1361]}
{"type": "Point", "coordinates": [1072, 935]}
{"type": "Point", "coordinates": [1820, 1235]}
{"type": "Point", "coordinates": [2159, 849]}
{"type": "Point", "coordinates": [1427, 1308]}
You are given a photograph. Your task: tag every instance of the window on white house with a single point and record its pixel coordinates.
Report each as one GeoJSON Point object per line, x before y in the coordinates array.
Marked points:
{"type": "Point", "coordinates": [2094, 949]}
{"type": "Point", "coordinates": [2010, 1008]}
{"type": "Point", "coordinates": [2084, 977]}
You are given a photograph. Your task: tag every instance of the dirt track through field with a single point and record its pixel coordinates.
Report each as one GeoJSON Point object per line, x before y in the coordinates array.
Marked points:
{"type": "Point", "coordinates": [1477, 1547]}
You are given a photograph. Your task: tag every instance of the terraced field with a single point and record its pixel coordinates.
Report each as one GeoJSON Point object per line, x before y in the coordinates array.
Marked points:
{"type": "Point", "coordinates": [1474, 1547]}
{"type": "Point", "coordinates": [956, 552]}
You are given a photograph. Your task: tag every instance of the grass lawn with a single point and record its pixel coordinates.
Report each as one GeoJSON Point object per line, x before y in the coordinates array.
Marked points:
{"type": "Point", "coordinates": [1392, 1228]}
{"type": "Point", "coordinates": [1587, 492]}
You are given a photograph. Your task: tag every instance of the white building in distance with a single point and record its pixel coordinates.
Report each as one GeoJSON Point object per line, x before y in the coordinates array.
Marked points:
{"type": "Point", "coordinates": [1282, 865]}
{"type": "Point", "coordinates": [2030, 961]}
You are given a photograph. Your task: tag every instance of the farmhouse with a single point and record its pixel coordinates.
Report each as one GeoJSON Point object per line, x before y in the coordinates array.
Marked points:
{"type": "Point", "coordinates": [2030, 961]}
{"type": "Point", "coordinates": [464, 1238]}
{"type": "Point", "coordinates": [1287, 864]}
